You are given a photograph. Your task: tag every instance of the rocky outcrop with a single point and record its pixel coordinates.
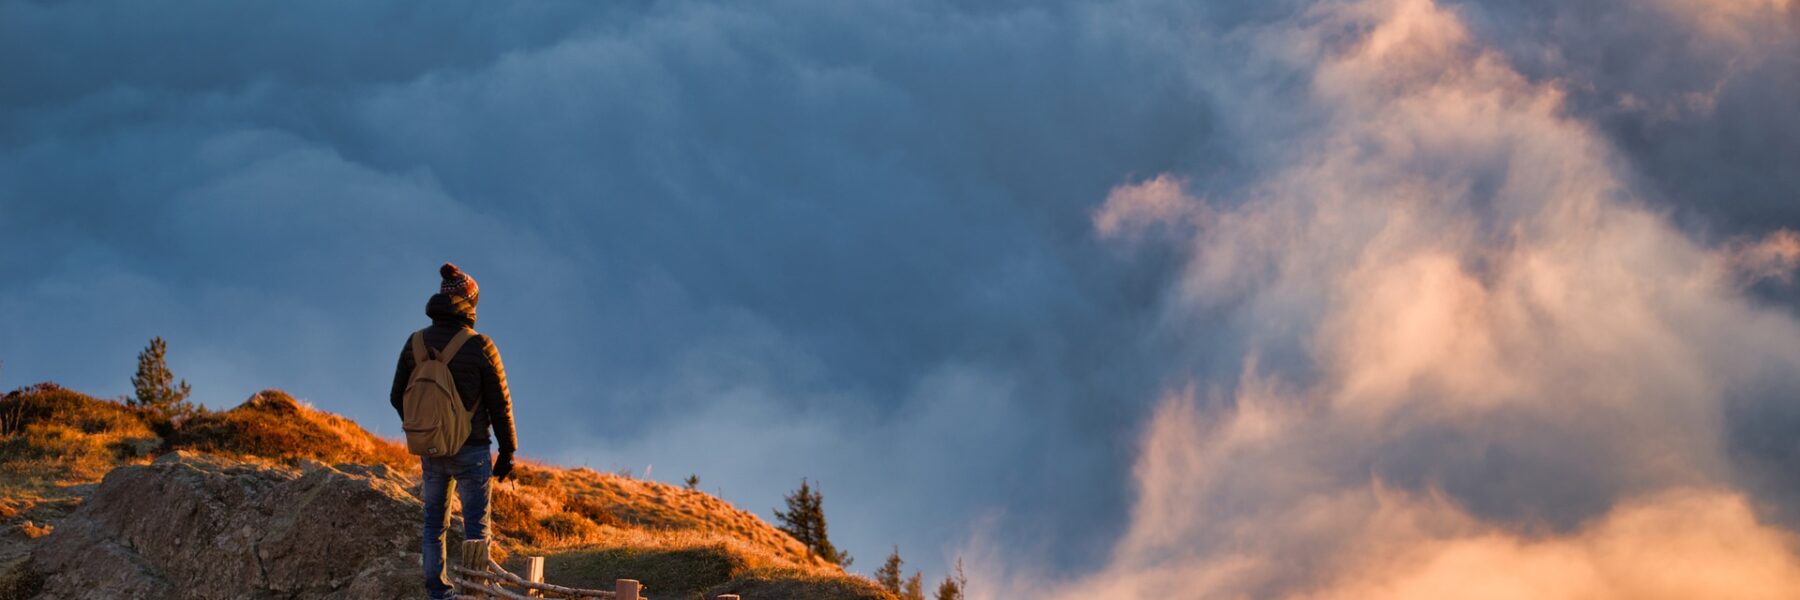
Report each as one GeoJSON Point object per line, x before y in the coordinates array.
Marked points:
{"type": "Point", "coordinates": [197, 526]}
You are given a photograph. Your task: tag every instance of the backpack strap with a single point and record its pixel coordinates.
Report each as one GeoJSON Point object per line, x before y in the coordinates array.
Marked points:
{"type": "Point", "coordinates": [450, 349]}
{"type": "Point", "coordinates": [422, 353]}
{"type": "Point", "coordinates": [449, 352]}
{"type": "Point", "coordinates": [418, 348]}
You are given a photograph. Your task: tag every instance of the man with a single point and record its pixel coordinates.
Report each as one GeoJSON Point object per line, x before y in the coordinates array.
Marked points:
{"type": "Point", "coordinates": [480, 381]}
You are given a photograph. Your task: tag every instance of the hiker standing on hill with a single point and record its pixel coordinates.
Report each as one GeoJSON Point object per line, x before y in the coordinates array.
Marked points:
{"type": "Point", "coordinates": [449, 388]}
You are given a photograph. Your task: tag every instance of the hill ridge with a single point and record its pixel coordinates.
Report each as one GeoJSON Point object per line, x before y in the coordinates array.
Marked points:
{"type": "Point", "coordinates": [56, 444]}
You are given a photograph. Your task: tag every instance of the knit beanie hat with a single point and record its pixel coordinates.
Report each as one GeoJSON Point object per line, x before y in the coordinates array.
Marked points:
{"type": "Point", "coordinates": [458, 283]}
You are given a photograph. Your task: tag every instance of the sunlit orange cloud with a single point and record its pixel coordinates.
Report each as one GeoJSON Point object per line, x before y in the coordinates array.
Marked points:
{"type": "Point", "coordinates": [1738, 22]}
{"type": "Point", "coordinates": [1542, 314]}
{"type": "Point", "coordinates": [1775, 256]}
{"type": "Point", "coordinates": [1130, 208]}
{"type": "Point", "coordinates": [1679, 542]}
{"type": "Point", "coordinates": [1676, 545]}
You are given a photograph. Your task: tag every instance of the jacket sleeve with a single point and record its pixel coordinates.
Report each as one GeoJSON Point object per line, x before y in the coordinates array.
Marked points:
{"type": "Point", "coordinates": [401, 371]}
{"type": "Point", "coordinates": [496, 399]}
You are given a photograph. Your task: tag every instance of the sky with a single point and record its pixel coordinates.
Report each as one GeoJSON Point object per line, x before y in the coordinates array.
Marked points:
{"type": "Point", "coordinates": [1142, 299]}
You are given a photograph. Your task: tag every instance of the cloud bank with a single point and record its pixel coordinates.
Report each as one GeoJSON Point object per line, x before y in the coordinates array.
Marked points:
{"type": "Point", "coordinates": [1500, 373]}
{"type": "Point", "coordinates": [752, 243]}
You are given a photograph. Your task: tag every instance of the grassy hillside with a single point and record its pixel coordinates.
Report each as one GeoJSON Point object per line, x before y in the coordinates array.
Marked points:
{"type": "Point", "coordinates": [55, 443]}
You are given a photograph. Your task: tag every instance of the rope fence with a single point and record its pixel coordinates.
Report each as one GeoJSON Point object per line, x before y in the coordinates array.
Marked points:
{"type": "Point", "coordinates": [476, 576]}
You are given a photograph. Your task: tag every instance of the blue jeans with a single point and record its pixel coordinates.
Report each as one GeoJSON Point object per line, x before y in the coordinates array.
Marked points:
{"type": "Point", "coordinates": [471, 468]}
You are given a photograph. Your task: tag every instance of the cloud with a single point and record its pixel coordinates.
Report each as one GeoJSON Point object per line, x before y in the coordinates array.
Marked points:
{"type": "Point", "coordinates": [1722, 550]}
{"type": "Point", "coordinates": [1734, 22]}
{"type": "Point", "coordinates": [1475, 363]}
{"type": "Point", "coordinates": [802, 216]}
{"type": "Point", "coordinates": [1130, 208]}
{"type": "Point", "coordinates": [1382, 542]}
{"type": "Point", "coordinates": [1773, 257]}
{"type": "Point", "coordinates": [1684, 89]}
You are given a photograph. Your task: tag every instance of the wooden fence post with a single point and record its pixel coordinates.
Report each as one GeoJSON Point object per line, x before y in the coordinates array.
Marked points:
{"type": "Point", "coordinates": [475, 554]}
{"type": "Point", "coordinates": [626, 589]}
{"type": "Point", "coordinates": [475, 557]}
{"type": "Point", "coordinates": [534, 572]}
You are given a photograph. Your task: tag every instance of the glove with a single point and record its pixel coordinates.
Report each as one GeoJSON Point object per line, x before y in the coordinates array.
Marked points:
{"type": "Point", "coordinates": [503, 467]}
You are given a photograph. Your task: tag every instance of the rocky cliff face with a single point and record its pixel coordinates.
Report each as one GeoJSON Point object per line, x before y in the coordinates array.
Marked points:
{"type": "Point", "coordinates": [196, 526]}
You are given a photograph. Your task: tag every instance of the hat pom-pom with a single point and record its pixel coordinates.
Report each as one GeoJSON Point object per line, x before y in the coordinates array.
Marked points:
{"type": "Point", "coordinates": [449, 271]}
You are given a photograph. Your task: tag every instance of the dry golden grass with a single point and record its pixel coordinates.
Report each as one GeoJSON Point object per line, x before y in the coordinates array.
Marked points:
{"type": "Point", "coordinates": [696, 564]}
{"type": "Point", "coordinates": [528, 504]}
{"type": "Point", "coordinates": [55, 437]}
{"type": "Point", "coordinates": [54, 443]}
{"type": "Point", "coordinates": [273, 426]}
{"type": "Point", "coordinates": [592, 527]}
{"type": "Point", "coordinates": [777, 583]}
{"type": "Point", "coordinates": [595, 527]}
{"type": "Point", "coordinates": [33, 530]}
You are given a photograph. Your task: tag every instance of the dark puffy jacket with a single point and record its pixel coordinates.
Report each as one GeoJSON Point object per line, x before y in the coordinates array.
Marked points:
{"type": "Point", "coordinates": [480, 376]}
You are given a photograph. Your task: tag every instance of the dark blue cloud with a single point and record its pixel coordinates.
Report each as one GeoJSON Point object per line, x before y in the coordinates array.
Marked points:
{"type": "Point", "coordinates": [1693, 106]}
{"type": "Point", "coordinates": [869, 223]}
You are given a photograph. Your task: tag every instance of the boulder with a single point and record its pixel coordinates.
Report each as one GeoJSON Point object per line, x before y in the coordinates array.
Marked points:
{"type": "Point", "coordinates": [197, 526]}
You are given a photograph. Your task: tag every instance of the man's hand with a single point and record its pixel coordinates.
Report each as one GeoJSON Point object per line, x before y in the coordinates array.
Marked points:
{"type": "Point", "coordinates": [503, 467]}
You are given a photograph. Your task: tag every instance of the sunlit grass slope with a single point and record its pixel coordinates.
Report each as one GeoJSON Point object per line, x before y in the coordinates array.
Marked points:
{"type": "Point", "coordinates": [593, 527]}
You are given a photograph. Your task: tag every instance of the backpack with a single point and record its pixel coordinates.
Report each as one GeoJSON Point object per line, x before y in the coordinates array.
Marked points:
{"type": "Point", "coordinates": [433, 416]}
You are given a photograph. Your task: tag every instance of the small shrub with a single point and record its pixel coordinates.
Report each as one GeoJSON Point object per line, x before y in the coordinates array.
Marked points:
{"type": "Point", "coordinates": [593, 510]}
{"type": "Point", "coordinates": [12, 418]}
{"type": "Point", "coordinates": [527, 474]}
{"type": "Point", "coordinates": [272, 425]}
{"type": "Point", "coordinates": [52, 403]}
{"type": "Point", "coordinates": [34, 530]}
{"type": "Point", "coordinates": [57, 451]}
{"type": "Point", "coordinates": [569, 526]}
{"type": "Point", "coordinates": [56, 434]}
{"type": "Point", "coordinates": [48, 440]}
{"type": "Point", "coordinates": [128, 448]}
{"type": "Point", "coordinates": [514, 515]}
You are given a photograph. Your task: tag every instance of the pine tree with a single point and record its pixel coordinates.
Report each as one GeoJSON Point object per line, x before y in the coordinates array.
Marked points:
{"type": "Point", "coordinates": [955, 585]}
{"type": "Point", "coordinates": [692, 481]}
{"type": "Point", "coordinates": [153, 379]}
{"type": "Point", "coordinates": [796, 520]}
{"type": "Point", "coordinates": [889, 573]}
{"type": "Point", "coordinates": [805, 520]}
{"type": "Point", "coordinates": [915, 587]}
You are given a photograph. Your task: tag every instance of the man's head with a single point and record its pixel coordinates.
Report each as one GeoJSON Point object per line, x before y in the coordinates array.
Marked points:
{"type": "Point", "coordinates": [459, 284]}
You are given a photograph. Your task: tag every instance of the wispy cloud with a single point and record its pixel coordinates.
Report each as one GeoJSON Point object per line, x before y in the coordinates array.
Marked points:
{"type": "Point", "coordinates": [1508, 376]}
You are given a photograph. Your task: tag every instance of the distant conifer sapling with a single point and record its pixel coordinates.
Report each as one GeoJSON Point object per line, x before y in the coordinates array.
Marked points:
{"type": "Point", "coordinates": [805, 520]}
{"type": "Point", "coordinates": [888, 576]}
{"type": "Point", "coordinates": [154, 383]}
{"type": "Point", "coordinates": [889, 573]}
{"type": "Point", "coordinates": [915, 587]}
{"type": "Point", "coordinates": [955, 585]}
